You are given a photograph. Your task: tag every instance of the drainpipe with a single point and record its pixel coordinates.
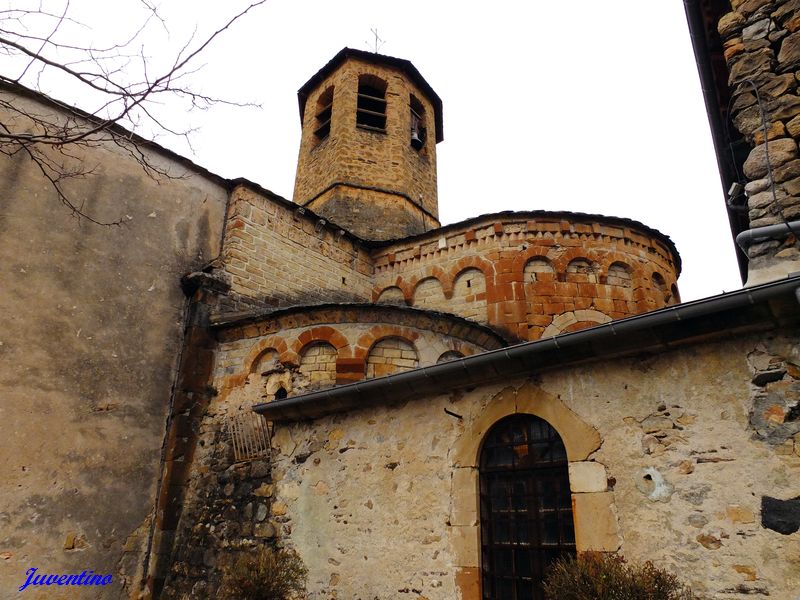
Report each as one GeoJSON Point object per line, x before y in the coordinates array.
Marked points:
{"type": "Point", "coordinates": [770, 270]}
{"type": "Point", "coordinates": [770, 232]}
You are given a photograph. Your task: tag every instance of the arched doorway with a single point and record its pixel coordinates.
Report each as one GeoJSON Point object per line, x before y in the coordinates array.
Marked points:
{"type": "Point", "coordinates": [525, 507]}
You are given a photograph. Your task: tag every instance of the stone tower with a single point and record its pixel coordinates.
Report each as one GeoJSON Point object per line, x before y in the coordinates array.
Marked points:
{"type": "Point", "coordinates": [368, 148]}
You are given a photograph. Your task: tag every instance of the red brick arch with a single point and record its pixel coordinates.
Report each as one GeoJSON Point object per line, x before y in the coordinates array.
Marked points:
{"type": "Point", "coordinates": [418, 281]}
{"type": "Point", "coordinates": [380, 332]}
{"type": "Point", "coordinates": [475, 262]}
{"type": "Point", "coordinates": [433, 273]}
{"type": "Point", "coordinates": [460, 347]}
{"type": "Point", "coordinates": [378, 291]}
{"type": "Point", "coordinates": [631, 262]}
{"type": "Point", "coordinates": [607, 264]}
{"type": "Point", "coordinates": [322, 333]}
{"type": "Point", "coordinates": [522, 259]}
{"type": "Point", "coordinates": [464, 270]}
{"type": "Point", "coordinates": [274, 342]}
{"type": "Point", "coordinates": [561, 263]}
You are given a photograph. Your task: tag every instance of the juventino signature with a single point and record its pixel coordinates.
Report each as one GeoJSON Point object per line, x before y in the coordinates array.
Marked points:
{"type": "Point", "coordinates": [83, 579]}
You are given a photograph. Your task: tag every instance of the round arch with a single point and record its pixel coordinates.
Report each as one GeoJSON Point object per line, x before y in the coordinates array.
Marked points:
{"type": "Point", "coordinates": [580, 439]}
{"type": "Point", "coordinates": [525, 506]}
{"type": "Point", "coordinates": [322, 333]}
{"type": "Point", "coordinates": [565, 320]}
{"type": "Point", "coordinates": [594, 514]}
{"type": "Point", "coordinates": [364, 344]}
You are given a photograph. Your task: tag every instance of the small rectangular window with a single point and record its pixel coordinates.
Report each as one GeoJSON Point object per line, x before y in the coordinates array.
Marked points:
{"type": "Point", "coordinates": [322, 120]}
{"type": "Point", "coordinates": [419, 132]}
{"type": "Point", "coordinates": [371, 109]}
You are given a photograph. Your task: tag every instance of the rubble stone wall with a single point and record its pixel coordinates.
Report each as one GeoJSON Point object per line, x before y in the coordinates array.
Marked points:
{"type": "Point", "coordinates": [229, 507]}
{"type": "Point", "coordinates": [761, 39]}
{"type": "Point", "coordinates": [664, 466]}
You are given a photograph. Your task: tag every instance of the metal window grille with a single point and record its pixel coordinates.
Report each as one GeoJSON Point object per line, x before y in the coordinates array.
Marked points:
{"type": "Point", "coordinates": [249, 435]}
{"type": "Point", "coordinates": [526, 508]}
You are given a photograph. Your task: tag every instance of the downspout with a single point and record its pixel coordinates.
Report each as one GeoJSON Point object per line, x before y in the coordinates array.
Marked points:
{"type": "Point", "coordinates": [780, 267]}
{"type": "Point", "coordinates": [769, 232]}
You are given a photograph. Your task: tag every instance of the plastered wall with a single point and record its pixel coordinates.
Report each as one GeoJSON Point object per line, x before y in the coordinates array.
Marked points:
{"type": "Point", "coordinates": [666, 464]}
{"type": "Point", "coordinates": [84, 399]}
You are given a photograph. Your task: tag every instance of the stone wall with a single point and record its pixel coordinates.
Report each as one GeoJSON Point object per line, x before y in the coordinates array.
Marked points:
{"type": "Point", "coordinates": [227, 506]}
{"type": "Point", "coordinates": [318, 364]}
{"type": "Point", "coordinates": [372, 183]}
{"type": "Point", "coordinates": [231, 508]}
{"type": "Point", "coordinates": [391, 355]}
{"type": "Point", "coordinates": [389, 215]}
{"type": "Point", "coordinates": [276, 256]}
{"type": "Point", "coordinates": [762, 50]}
{"type": "Point", "coordinates": [345, 343]}
{"type": "Point", "coordinates": [93, 328]}
{"type": "Point", "coordinates": [526, 276]}
{"type": "Point", "coordinates": [530, 276]}
{"type": "Point", "coordinates": [667, 463]}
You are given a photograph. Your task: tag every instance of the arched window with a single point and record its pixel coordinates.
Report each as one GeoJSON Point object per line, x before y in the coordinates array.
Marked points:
{"type": "Point", "coordinates": [469, 295]}
{"type": "Point", "coordinates": [582, 270]}
{"type": "Point", "coordinates": [658, 282]}
{"type": "Point", "coordinates": [428, 293]}
{"type": "Point", "coordinates": [318, 364]}
{"type": "Point", "coordinates": [525, 507]}
{"type": "Point", "coordinates": [371, 109]}
{"type": "Point", "coordinates": [392, 295]}
{"type": "Point", "coordinates": [538, 268]}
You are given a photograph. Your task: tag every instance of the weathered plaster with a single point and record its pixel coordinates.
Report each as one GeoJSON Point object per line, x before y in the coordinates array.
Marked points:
{"type": "Point", "coordinates": [92, 330]}
{"type": "Point", "coordinates": [406, 476]}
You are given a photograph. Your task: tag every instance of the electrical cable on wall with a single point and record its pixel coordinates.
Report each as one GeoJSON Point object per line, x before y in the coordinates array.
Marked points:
{"type": "Point", "coordinates": [766, 154]}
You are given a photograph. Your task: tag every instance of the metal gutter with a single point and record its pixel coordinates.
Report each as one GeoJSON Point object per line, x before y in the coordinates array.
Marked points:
{"type": "Point", "coordinates": [661, 329]}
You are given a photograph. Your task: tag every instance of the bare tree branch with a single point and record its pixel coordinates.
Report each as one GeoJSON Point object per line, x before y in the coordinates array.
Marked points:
{"type": "Point", "coordinates": [116, 77]}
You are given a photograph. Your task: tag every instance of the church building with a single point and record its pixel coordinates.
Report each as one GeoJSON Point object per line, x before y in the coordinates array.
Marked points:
{"type": "Point", "coordinates": [417, 410]}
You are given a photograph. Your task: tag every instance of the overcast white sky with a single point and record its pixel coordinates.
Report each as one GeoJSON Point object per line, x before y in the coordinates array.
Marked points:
{"type": "Point", "coordinates": [584, 106]}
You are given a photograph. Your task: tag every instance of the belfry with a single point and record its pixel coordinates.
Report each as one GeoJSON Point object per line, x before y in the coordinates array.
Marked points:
{"type": "Point", "coordinates": [368, 149]}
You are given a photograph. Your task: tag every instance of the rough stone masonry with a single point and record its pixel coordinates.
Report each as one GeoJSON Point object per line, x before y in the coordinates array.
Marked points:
{"type": "Point", "coordinates": [761, 40]}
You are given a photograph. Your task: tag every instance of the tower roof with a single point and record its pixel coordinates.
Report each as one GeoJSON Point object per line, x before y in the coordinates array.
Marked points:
{"type": "Point", "coordinates": [379, 59]}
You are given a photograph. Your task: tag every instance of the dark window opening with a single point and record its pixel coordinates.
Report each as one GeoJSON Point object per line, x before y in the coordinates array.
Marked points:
{"type": "Point", "coordinates": [322, 120]}
{"type": "Point", "coordinates": [525, 507]}
{"type": "Point", "coordinates": [281, 394]}
{"type": "Point", "coordinates": [419, 132]}
{"type": "Point", "coordinates": [676, 296]}
{"type": "Point", "coordinates": [371, 109]}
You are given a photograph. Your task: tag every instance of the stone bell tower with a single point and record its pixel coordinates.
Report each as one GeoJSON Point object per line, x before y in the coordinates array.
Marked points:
{"type": "Point", "coordinates": [368, 148]}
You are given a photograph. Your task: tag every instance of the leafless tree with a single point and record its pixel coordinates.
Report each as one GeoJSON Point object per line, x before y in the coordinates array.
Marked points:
{"type": "Point", "coordinates": [119, 80]}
